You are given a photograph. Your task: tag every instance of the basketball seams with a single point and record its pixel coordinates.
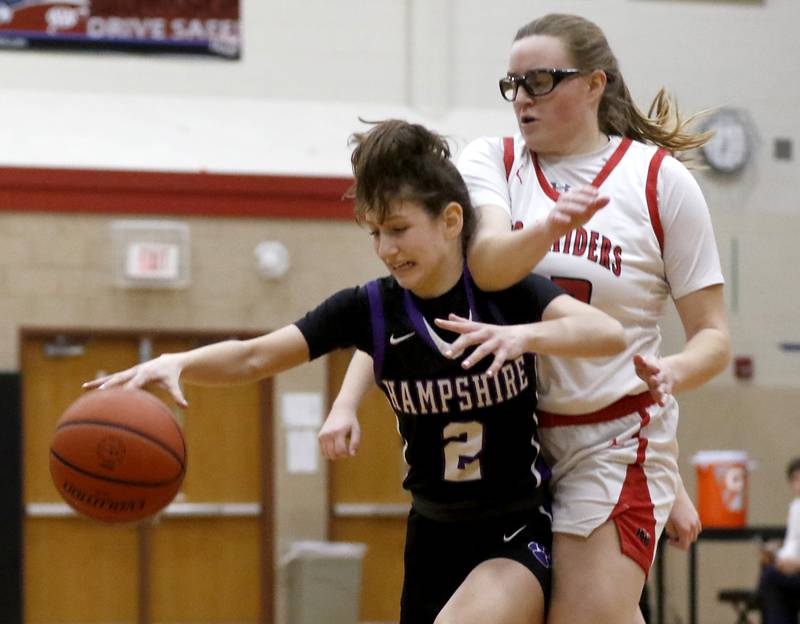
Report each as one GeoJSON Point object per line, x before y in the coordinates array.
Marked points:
{"type": "Point", "coordinates": [156, 401]}
{"type": "Point", "coordinates": [128, 429]}
{"type": "Point", "coordinates": [100, 477]}
{"type": "Point", "coordinates": [89, 461]}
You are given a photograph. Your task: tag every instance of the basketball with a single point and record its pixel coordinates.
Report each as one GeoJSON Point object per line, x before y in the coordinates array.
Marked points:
{"type": "Point", "coordinates": [118, 455]}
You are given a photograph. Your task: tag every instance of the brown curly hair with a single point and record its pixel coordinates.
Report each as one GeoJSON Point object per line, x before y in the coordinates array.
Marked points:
{"type": "Point", "coordinates": [396, 160]}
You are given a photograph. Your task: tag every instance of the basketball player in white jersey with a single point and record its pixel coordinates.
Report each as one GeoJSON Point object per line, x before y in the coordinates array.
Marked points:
{"type": "Point", "coordinates": [609, 433]}
{"type": "Point", "coordinates": [608, 425]}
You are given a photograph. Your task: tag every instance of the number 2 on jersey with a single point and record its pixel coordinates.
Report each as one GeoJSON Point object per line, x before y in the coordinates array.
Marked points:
{"type": "Point", "coordinates": [463, 442]}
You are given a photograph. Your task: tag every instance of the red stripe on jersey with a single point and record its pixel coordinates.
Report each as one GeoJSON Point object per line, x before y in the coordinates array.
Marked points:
{"type": "Point", "coordinates": [626, 405]}
{"type": "Point", "coordinates": [634, 514]}
{"type": "Point", "coordinates": [548, 190]}
{"type": "Point", "coordinates": [599, 178]}
{"type": "Point", "coordinates": [651, 192]}
{"type": "Point", "coordinates": [508, 154]}
{"type": "Point", "coordinates": [612, 162]}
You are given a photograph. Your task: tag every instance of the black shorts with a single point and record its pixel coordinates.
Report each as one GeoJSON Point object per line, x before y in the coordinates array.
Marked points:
{"type": "Point", "coordinates": [440, 555]}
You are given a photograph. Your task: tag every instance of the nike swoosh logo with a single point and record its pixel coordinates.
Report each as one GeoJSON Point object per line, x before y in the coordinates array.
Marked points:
{"type": "Point", "coordinates": [396, 341]}
{"type": "Point", "coordinates": [442, 345]}
{"type": "Point", "coordinates": [508, 538]}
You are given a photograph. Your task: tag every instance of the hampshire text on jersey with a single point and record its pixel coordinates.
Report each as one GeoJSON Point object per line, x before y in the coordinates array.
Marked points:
{"type": "Point", "coordinates": [434, 396]}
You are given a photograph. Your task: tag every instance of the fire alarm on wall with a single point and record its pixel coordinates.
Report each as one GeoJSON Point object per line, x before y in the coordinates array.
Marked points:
{"type": "Point", "coordinates": [743, 367]}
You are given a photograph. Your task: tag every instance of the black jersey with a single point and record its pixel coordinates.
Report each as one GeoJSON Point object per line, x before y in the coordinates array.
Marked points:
{"type": "Point", "coordinates": [471, 440]}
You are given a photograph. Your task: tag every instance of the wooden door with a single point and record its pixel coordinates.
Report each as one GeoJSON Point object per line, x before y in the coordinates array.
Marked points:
{"type": "Point", "coordinates": [368, 504]}
{"type": "Point", "coordinates": [197, 561]}
{"type": "Point", "coordinates": [74, 570]}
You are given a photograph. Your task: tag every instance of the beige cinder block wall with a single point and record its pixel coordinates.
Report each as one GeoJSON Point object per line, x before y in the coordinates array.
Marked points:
{"type": "Point", "coordinates": [55, 271]}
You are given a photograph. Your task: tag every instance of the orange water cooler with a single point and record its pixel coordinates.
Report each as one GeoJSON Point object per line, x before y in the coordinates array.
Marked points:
{"type": "Point", "coordinates": [722, 488]}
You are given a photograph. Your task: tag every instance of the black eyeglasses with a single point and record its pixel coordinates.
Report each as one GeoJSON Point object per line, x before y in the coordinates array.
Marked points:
{"type": "Point", "coordinates": [535, 82]}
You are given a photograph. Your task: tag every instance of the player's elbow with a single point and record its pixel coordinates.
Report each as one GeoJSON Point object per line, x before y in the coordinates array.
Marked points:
{"type": "Point", "coordinates": [612, 337]}
{"type": "Point", "coordinates": [719, 351]}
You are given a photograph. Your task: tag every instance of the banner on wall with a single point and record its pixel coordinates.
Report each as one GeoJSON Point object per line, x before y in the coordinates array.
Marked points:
{"type": "Point", "coordinates": [208, 27]}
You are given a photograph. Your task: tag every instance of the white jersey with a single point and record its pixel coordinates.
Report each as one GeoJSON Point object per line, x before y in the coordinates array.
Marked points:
{"type": "Point", "coordinates": [652, 241]}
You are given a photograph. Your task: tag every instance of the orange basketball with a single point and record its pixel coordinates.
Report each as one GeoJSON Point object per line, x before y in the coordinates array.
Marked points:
{"type": "Point", "coordinates": [118, 455]}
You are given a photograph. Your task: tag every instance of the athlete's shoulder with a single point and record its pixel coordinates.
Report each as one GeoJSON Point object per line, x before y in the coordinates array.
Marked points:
{"type": "Point", "coordinates": [669, 162]}
{"type": "Point", "coordinates": [676, 183]}
{"type": "Point", "coordinates": [482, 149]}
{"type": "Point", "coordinates": [544, 287]}
{"type": "Point", "coordinates": [639, 150]}
{"type": "Point", "coordinates": [386, 284]}
{"type": "Point", "coordinates": [674, 169]}
{"type": "Point", "coordinates": [526, 300]}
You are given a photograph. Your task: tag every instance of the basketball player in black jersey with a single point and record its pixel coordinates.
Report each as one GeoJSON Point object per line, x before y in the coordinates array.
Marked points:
{"type": "Point", "coordinates": [478, 537]}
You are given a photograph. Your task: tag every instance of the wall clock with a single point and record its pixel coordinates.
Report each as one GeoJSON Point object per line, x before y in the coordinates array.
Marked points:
{"type": "Point", "coordinates": [730, 148]}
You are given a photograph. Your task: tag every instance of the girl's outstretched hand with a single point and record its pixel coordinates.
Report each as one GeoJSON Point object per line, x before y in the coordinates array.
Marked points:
{"type": "Point", "coordinates": [340, 434]}
{"type": "Point", "coordinates": [657, 374]}
{"type": "Point", "coordinates": [683, 524]}
{"type": "Point", "coordinates": [163, 371]}
{"type": "Point", "coordinates": [505, 342]}
{"type": "Point", "coordinates": [574, 209]}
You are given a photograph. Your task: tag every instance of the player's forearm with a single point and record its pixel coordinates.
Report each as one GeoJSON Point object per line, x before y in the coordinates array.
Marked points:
{"type": "Point", "coordinates": [705, 355]}
{"type": "Point", "coordinates": [498, 260]}
{"type": "Point", "coordinates": [357, 380]}
{"type": "Point", "coordinates": [590, 335]}
{"type": "Point", "coordinates": [243, 361]}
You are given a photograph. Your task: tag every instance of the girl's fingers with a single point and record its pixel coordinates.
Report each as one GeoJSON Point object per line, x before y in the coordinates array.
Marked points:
{"type": "Point", "coordinates": [480, 352]}
{"type": "Point", "coordinates": [355, 440]}
{"type": "Point", "coordinates": [177, 394]}
{"type": "Point", "coordinates": [499, 359]}
{"type": "Point", "coordinates": [464, 341]}
{"type": "Point", "coordinates": [644, 367]}
{"type": "Point", "coordinates": [340, 444]}
{"type": "Point", "coordinates": [323, 447]}
{"type": "Point", "coordinates": [456, 324]}
{"type": "Point", "coordinates": [600, 202]}
{"type": "Point", "coordinates": [327, 445]}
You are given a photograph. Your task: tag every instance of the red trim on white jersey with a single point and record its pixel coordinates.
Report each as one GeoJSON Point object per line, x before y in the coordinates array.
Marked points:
{"type": "Point", "coordinates": [652, 195]}
{"type": "Point", "coordinates": [618, 409]}
{"type": "Point", "coordinates": [634, 513]}
{"type": "Point", "coordinates": [650, 189]}
{"type": "Point", "coordinates": [599, 178]}
{"type": "Point", "coordinates": [508, 154]}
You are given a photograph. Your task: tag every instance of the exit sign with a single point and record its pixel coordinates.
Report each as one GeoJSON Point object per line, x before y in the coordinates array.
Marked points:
{"type": "Point", "coordinates": [154, 261]}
